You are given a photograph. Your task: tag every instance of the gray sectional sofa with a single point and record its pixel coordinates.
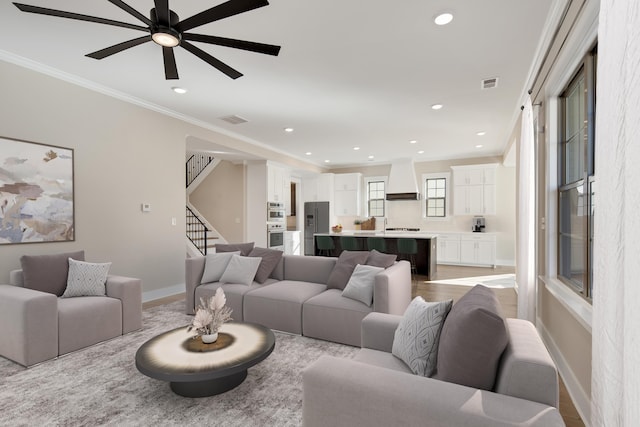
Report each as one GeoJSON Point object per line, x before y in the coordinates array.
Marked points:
{"type": "Point", "coordinates": [376, 388]}
{"type": "Point", "coordinates": [296, 297]}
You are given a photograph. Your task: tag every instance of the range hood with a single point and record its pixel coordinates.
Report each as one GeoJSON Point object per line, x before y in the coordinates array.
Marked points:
{"type": "Point", "coordinates": [402, 183]}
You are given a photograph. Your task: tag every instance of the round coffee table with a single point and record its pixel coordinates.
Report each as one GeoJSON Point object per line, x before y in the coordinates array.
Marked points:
{"type": "Point", "coordinates": [195, 369]}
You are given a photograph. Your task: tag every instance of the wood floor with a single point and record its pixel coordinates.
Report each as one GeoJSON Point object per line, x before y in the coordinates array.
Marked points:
{"type": "Point", "coordinates": [439, 292]}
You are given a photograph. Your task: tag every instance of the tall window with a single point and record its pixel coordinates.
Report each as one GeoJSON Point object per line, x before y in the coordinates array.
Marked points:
{"type": "Point", "coordinates": [576, 178]}
{"type": "Point", "coordinates": [375, 197]}
{"type": "Point", "coordinates": [436, 198]}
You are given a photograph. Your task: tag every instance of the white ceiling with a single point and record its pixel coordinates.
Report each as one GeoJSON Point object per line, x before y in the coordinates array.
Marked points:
{"type": "Point", "coordinates": [350, 73]}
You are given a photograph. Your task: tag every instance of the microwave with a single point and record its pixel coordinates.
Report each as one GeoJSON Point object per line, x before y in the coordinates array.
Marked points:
{"type": "Point", "coordinates": [275, 212]}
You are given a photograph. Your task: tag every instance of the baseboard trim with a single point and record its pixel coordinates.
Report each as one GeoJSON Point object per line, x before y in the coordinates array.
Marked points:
{"type": "Point", "coordinates": [163, 292]}
{"type": "Point", "coordinates": [580, 399]}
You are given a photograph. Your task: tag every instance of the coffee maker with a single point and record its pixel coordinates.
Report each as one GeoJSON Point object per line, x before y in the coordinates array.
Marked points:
{"type": "Point", "coordinates": [477, 224]}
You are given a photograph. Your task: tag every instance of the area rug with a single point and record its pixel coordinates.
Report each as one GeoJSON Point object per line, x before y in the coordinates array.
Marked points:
{"type": "Point", "coordinates": [499, 281]}
{"type": "Point", "coordinates": [100, 385]}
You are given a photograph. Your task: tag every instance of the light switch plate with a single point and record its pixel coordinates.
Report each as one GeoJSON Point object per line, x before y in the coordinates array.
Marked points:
{"type": "Point", "coordinates": [146, 207]}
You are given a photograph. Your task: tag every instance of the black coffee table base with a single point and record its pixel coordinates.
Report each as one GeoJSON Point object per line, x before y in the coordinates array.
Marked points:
{"type": "Point", "coordinates": [208, 387]}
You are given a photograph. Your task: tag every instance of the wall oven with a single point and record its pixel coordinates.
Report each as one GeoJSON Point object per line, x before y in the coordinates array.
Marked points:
{"type": "Point", "coordinates": [275, 235]}
{"type": "Point", "coordinates": [276, 212]}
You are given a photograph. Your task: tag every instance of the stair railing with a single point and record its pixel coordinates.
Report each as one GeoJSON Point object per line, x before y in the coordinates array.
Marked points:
{"type": "Point", "coordinates": [196, 164]}
{"type": "Point", "coordinates": [196, 231]}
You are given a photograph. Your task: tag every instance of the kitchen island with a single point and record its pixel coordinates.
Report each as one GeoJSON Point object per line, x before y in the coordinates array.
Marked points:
{"type": "Point", "coordinates": [426, 257]}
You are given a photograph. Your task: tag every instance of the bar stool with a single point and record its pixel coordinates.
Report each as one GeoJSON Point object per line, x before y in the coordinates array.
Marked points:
{"type": "Point", "coordinates": [325, 245]}
{"type": "Point", "coordinates": [349, 243]}
{"type": "Point", "coordinates": [409, 248]}
{"type": "Point", "coordinates": [377, 243]}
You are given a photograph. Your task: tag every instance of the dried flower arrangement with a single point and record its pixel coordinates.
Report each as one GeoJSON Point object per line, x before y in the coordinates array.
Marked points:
{"type": "Point", "coordinates": [211, 315]}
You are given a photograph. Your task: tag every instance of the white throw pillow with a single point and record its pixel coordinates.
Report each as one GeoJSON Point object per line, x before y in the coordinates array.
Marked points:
{"type": "Point", "coordinates": [215, 265]}
{"type": "Point", "coordinates": [416, 340]}
{"type": "Point", "coordinates": [361, 283]}
{"type": "Point", "coordinates": [86, 279]}
{"type": "Point", "coordinates": [241, 270]}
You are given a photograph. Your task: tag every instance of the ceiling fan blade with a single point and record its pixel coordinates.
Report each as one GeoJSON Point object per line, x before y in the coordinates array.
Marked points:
{"type": "Point", "coordinates": [234, 74]}
{"type": "Point", "coordinates": [131, 11]}
{"type": "Point", "coordinates": [170, 68]}
{"type": "Point", "coordinates": [224, 10]}
{"type": "Point", "coordinates": [162, 11]}
{"type": "Point", "coordinates": [267, 49]}
{"type": "Point", "coordinates": [77, 16]}
{"type": "Point", "coordinates": [111, 50]}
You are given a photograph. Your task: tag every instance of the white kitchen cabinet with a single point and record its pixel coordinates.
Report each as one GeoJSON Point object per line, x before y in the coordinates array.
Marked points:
{"type": "Point", "coordinates": [277, 183]}
{"type": "Point", "coordinates": [318, 188]}
{"type": "Point", "coordinates": [477, 249]}
{"type": "Point", "coordinates": [292, 243]}
{"type": "Point", "coordinates": [474, 189]}
{"type": "Point", "coordinates": [448, 249]}
{"type": "Point", "coordinates": [347, 194]}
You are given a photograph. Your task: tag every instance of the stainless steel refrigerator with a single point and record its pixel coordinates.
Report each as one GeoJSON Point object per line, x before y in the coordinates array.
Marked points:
{"type": "Point", "coordinates": [316, 220]}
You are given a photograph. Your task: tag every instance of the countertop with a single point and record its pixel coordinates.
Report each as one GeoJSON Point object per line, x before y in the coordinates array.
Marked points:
{"type": "Point", "coordinates": [401, 234]}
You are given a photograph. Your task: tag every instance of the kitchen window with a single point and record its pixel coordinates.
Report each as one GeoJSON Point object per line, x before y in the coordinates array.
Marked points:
{"type": "Point", "coordinates": [576, 180]}
{"type": "Point", "coordinates": [375, 196]}
{"type": "Point", "coordinates": [436, 196]}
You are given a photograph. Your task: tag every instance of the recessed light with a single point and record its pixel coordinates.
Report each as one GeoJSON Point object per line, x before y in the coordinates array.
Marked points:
{"type": "Point", "coordinates": [308, 153]}
{"type": "Point", "coordinates": [370, 157]}
{"type": "Point", "coordinates": [443, 18]}
{"type": "Point", "coordinates": [327, 161]}
{"type": "Point", "coordinates": [481, 133]}
{"type": "Point", "coordinates": [288, 130]}
{"type": "Point", "coordinates": [436, 106]}
{"type": "Point", "coordinates": [479, 146]}
{"type": "Point", "coordinates": [356, 148]}
{"type": "Point", "coordinates": [179, 90]}
{"type": "Point", "coordinates": [413, 141]}
{"type": "Point", "coordinates": [421, 152]}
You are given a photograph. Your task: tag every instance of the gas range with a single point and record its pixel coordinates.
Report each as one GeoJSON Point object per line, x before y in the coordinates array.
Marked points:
{"type": "Point", "coordinates": [402, 229]}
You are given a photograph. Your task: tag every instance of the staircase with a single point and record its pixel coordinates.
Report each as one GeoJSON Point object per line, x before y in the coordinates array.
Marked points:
{"type": "Point", "coordinates": [199, 233]}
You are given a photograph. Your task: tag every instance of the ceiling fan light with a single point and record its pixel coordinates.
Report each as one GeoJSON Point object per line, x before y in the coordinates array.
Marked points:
{"type": "Point", "coordinates": [166, 37]}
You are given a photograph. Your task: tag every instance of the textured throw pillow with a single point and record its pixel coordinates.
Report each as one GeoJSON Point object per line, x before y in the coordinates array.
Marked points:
{"type": "Point", "coordinates": [360, 285]}
{"type": "Point", "coordinates": [48, 273]}
{"type": "Point", "coordinates": [416, 339]}
{"type": "Point", "coordinates": [270, 258]}
{"type": "Point", "coordinates": [86, 279]}
{"type": "Point", "coordinates": [344, 267]}
{"type": "Point", "coordinates": [241, 270]}
{"type": "Point", "coordinates": [215, 264]}
{"type": "Point", "coordinates": [244, 248]}
{"type": "Point", "coordinates": [378, 259]}
{"type": "Point", "coordinates": [472, 341]}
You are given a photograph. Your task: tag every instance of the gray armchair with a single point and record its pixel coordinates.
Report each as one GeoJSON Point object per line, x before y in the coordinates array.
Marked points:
{"type": "Point", "coordinates": [37, 325]}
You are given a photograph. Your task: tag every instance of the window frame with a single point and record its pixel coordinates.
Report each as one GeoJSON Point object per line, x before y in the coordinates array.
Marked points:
{"type": "Point", "coordinates": [367, 180]}
{"type": "Point", "coordinates": [447, 206]}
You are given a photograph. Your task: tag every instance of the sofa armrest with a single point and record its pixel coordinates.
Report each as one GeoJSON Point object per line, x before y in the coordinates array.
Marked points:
{"type": "Point", "coordinates": [378, 330]}
{"type": "Point", "coordinates": [28, 325]}
{"type": "Point", "coordinates": [392, 289]}
{"type": "Point", "coordinates": [344, 392]}
{"type": "Point", "coordinates": [16, 278]}
{"type": "Point", "coordinates": [193, 271]}
{"type": "Point", "coordinates": [129, 291]}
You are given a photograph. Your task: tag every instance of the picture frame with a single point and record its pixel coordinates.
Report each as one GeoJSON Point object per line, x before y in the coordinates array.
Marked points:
{"type": "Point", "coordinates": [36, 192]}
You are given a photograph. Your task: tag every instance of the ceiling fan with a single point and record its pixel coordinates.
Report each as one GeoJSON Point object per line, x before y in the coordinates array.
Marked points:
{"type": "Point", "coordinates": [167, 30]}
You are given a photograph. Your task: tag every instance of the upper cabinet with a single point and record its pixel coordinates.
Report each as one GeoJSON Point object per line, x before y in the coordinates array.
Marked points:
{"type": "Point", "coordinates": [347, 196]}
{"type": "Point", "coordinates": [278, 182]}
{"type": "Point", "coordinates": [474, 189]}
{"type": "Point", "coordinates": [318, 188]}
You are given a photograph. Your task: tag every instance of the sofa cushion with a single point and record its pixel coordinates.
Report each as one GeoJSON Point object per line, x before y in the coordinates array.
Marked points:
{"type": "Point", "coordinates": [416, 340]}
{"type": "Point", "coordinates": [378, 259]}
{"type": "Point", "coordinates": [270, 258]}
{"type": "Point", "coordinates": [361, 283]}
{"type": "Point", "coordinates": [86, 279]}
{"type": "Point", "coordinates": [244, 248]}
{"type": "Point", "coordinates": [472, 340]}
{"type": "Point", "coordinates": [48, 273]}
{"type": "Point", "coordinates": [241, 270]}
{"type": "Point", "coordinates": [215, 265]}
{"type": "Point", "coordinates": [381, 359]}
{"type": "Point", "coordinates": [314, 269]}
{"type": "Point", "coordinates": [344, 267]}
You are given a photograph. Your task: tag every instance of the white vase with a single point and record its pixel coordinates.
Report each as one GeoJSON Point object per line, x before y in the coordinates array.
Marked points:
{"type": "Point", "coordinates": [209, 338]}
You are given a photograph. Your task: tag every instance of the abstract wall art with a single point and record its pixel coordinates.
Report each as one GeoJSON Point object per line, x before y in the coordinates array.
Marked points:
{"type": "Point", "coordinates": [36, 192]}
